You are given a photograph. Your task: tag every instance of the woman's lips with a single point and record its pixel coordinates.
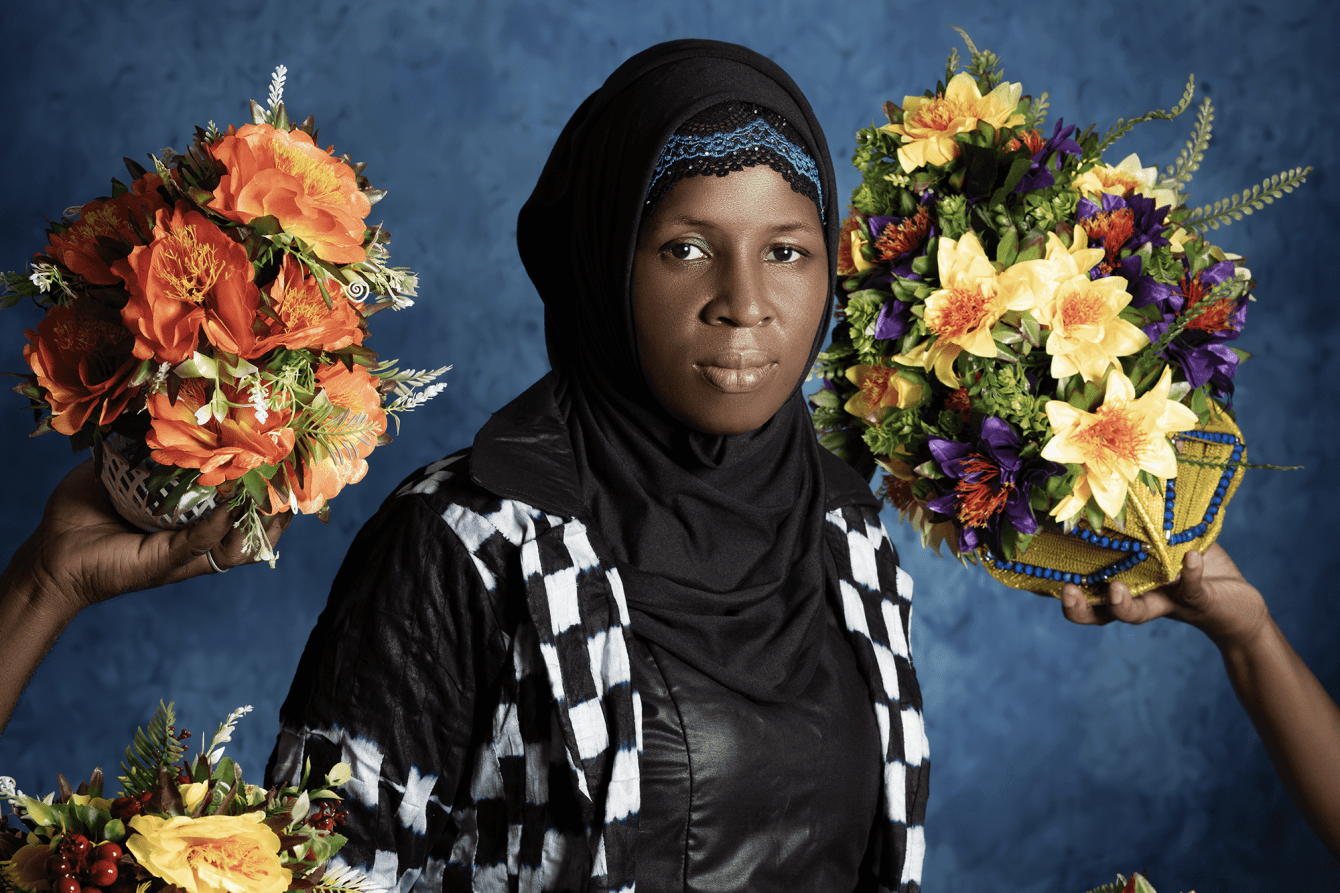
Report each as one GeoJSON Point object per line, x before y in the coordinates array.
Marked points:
{"type": "Point", "coordinates": [737, 373]}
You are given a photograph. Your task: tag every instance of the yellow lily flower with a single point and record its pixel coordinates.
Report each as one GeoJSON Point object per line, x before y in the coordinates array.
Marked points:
{"type": "Point", "coordinates": [1113, 445]}
{"type": "Point", "coordinates": [971, 300]}
{"type": "Point", "coordinates": [1125, 178]}
{"type": "Point", "coordinates": [880, 388]}
{"type": "Point", "coordinates": [929, 124]}
{"type": "Point", "coordinates": [1086, 334]}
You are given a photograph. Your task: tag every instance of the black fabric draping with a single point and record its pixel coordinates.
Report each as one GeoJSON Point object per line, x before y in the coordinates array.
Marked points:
{"type": "Point", "coordinates": [718, 538]}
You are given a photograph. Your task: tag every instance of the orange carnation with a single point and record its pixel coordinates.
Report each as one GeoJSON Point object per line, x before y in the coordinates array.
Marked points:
{"type": "Point", "coordinates": [354, 433]}
{"type": "Point", "coordinates": [190, 277]}
{"type": "Point", "coordinates": [77, 248]}
{"type": "Point", "coordinates": [304, 319]}
{"type": "Point", "coordinates": [84, 364]}
{"type": "Point", "coordinates": [222, 450]}
{"type": "Point", "coordinates": [284, 174]}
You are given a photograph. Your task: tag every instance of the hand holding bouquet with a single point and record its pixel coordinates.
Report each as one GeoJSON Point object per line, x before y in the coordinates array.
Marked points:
{"type": "Point", "coordinates": [211, 317]}
{"type": "Point", "coordinates": [1034, 343]}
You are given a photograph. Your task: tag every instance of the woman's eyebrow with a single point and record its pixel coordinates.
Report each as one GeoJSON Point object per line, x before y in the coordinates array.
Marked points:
{"type": "Point", "coordinates": [787, 226]}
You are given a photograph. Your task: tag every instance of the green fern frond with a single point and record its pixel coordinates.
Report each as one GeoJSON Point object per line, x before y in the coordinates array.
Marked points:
{"type": "Point", "coordinates": [1225, 211]}
{"type": "Point", "coordinates": [150, 751]}
{"type": "Point", "coordinates": [983, 65]}
{"type": "Point", "coordinates": [1188, 161]}
{"type": "Point", "coordinates": [1037, 113]}
{"type": "Point", "coordinates": [1124, 127]}
{"type": "Point", "coordinates": [1150, 359]}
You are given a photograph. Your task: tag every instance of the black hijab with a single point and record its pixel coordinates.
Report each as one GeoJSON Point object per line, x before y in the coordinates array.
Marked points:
{"type": "Point", "coordinates": [718, 538]}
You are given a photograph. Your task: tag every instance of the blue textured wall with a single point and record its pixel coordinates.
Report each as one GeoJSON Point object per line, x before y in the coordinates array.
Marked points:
{"type": "Point", "coordinates": [1061, 754]}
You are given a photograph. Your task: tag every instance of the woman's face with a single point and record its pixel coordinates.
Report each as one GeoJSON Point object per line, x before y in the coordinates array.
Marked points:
{"type": "Point", "coordinates": [730, 279]}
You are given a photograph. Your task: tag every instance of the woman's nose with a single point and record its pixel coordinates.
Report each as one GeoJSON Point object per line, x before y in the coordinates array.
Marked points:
{"type": "Point", "coordinates": [741, 296]}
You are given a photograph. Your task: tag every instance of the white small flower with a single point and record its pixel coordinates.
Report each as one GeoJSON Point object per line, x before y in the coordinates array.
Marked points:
{"type": "Point", "coordinates": [225, 733]}
{"type": "Point", "coordinates": [260, 400]}
{"type": "Point", "coordinates": [203, 414]}
{"type": "Point", "coordinates": [277, 86]}
{"type": "Point", "coordinates": [159, 381]}
{"type": "Point", "coordinates": [8, 788]}
{"type": "Point", "coordinates": [42, 276]}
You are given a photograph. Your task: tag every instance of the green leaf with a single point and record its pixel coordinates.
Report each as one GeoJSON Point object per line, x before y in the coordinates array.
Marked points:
{"type": "Point", "coordinates": [266, 226]}
{"type": "Point", "coordinates": [1018, 167]}
{"type": "Point", "coordinates": [179, 490]}
{"type": "Point", "coordinates": [1008, 248]}
{"type": "Point", "coordinates": [1094, 515]}
{"type": "Point", "coordinates": [255, 487]}
{"type": "Point", "coordinates": [114, 830]}
{"type": "Point", "coordinates": [979, 170]}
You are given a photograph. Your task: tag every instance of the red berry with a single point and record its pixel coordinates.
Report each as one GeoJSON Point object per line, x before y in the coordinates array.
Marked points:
{"type": "Point", "coordinates": [102, 872]}
{"type": "Point", "coordinates": [90, 890]}
{"type": "Point", "coordinates": [107, 850]}
{"type": "Point", "coordinates": [79, 845]}
{"type": "Point", "coordinates": [67, 885]}
{"type": "Point", "coordinates": [59, 866]}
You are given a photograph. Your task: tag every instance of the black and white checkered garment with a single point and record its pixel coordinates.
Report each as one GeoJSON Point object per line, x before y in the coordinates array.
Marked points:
{"type": "Point", "coordinates": [494, 741]}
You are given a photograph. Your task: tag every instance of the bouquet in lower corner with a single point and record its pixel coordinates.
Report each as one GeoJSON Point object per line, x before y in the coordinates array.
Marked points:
{"type": "Point", "coordinates": [178, 825]}
{"type": "Point", "coordinates": [1034, 344]}
{"type": "Point", "coordinates": [205, 327]}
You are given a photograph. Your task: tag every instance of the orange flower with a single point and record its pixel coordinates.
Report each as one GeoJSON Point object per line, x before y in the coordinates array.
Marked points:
{"type": "Point", "coordinates": [285, 175]}
{"type": "Point", "coordinates": [353, 434]}
{"type": "Point", "coordinates": [191, 277]}
{"type": "Point", "coordinates": [77, 248]}
{"type": "Point", "coordinates": [304, 318]}
{"type": "Point", "coordinates": [84, 364]}
{"type": "Point", "coordinates": [222, 450]}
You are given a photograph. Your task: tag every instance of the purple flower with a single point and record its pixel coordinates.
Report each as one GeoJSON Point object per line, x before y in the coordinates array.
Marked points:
{"type": "Point", "coordinates": [892, 321]}
{"type": "Point", "coordinates": [1199, 349]}
{"type": "Point", "coordinates": [1039, 174]}
{"type": "Point", "coordinates": [992, 482]}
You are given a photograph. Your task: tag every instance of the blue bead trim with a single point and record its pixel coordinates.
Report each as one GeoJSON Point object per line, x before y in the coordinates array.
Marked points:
{"type": "Point", "coordinates": [1134, 548]}
{"type": "Point", "coordinates": [1212, 510]}
{"type": "Point", "coordinates": [1135, 555]}
{"type": "Point", "coordinates": [718, 145]}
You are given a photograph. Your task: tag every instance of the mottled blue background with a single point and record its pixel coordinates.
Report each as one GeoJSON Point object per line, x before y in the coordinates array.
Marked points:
{"type": "Point", "coordinates": [1062, 754]}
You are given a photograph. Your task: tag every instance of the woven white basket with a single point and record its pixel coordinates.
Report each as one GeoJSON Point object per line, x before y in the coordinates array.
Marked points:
{"type": "Point", "coordinates": [127, 485]}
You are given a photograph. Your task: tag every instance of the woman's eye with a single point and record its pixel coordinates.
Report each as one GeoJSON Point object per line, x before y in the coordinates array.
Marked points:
{"type": "Point", "coordinates": [686, 251]}
{"type": "Point", "coordinates": [784, 253]}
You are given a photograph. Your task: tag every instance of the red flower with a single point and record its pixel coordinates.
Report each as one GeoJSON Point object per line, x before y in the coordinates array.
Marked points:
{"type": "Point", "coordinates": [284, 174]}
{"type": "Point", "coordinates": [222, 450]}
{"type": "Point", "coordinates": [190, 277]}
{"type": "Point", "coordinates": [353, 434]}
{"type": "Point", "coordinates": [304, 318]}
{"type": "Point", "coordinates": [83, 362]}
{"type": "Point", "coordinates": [77, 248]}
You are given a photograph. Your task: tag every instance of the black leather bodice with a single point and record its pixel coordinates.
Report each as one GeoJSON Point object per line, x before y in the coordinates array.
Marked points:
{"type": "Point", "coordinates": [738, 795]}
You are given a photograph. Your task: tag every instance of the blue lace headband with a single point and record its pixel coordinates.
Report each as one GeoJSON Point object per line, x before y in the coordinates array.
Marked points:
{"type": "Point", "coordinates": [756, 142]}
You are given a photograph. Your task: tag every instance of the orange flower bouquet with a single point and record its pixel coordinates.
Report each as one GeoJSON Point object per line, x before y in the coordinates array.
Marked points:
{"type": "Point", "coordinates": [205, 327]}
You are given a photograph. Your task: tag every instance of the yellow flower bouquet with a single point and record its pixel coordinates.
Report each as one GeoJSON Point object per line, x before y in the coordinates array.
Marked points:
{"type": "Point", "coordinates": [178, 825]}
{"type": "Point", "coordinates": [1034, 344]}
{"type": "Point", "coordinates": [205, 327]}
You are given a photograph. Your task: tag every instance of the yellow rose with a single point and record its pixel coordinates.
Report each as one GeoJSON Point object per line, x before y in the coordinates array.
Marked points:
{"type": "Point", "coordinates": [192, 795]}
{"type": "Point", "coordinates": [211, 854]}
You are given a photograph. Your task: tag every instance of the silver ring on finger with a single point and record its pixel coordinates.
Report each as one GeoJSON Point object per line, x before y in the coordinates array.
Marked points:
{"type": "Point", "coordinates": [214, 564]}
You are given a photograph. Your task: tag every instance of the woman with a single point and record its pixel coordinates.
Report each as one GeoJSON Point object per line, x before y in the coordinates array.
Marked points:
{"type": "Point", "coordinates": [646, 630]}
